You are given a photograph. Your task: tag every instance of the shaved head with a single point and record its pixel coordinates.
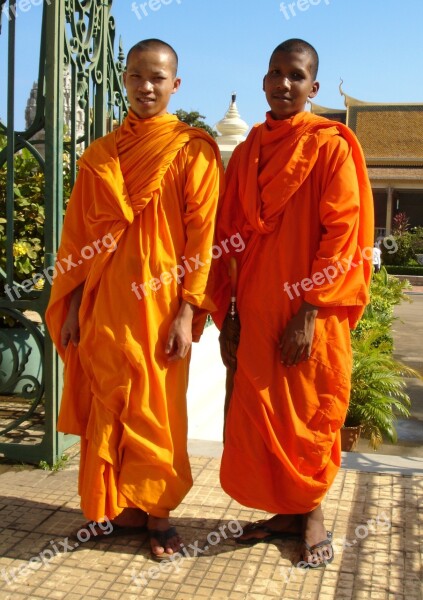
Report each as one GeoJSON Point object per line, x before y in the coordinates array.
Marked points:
{"type": "Point", "coordinates": [297, 45]}
{"type": "Point", "coordinates": [158, 46]}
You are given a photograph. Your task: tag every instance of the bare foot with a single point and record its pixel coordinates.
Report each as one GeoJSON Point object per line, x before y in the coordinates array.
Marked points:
{"type": "Point", "coordinates": [262, 530]}
{"type": "Point", "coordinates": [131, 517]}
{"type": "Point", "coordinates": [129, 521]}
{"type": "Point", "coordinates": [314, 532]}
{"type": "Point", "coordinates": [164, 539]}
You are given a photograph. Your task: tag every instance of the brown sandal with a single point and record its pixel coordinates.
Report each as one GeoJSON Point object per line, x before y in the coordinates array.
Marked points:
{"type": "Point", "coordinates": [325, 557]}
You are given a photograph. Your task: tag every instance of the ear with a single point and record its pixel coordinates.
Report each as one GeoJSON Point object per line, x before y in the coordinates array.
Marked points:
{"type": "Point", "coordinates": [314, 89]}
{"type": "Point", "coordinates": [124, 78]}
{"type": "Point", "coordinates": [176, 85]}
{"type": "Point", "coordinates": [264, 83]}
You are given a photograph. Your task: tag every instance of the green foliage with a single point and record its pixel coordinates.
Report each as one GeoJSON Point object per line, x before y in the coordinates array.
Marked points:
{"type": "Point", "coordinates": [399, 270]}
{"type": "Point", "coordinates": [29, 213]}
{"type": "Point", "coordinates": [408, 244]}
{"type": "Point", "coordinates": [57, 466]}
{"type": "Point", "coordinates": [386, 292]}
{"type": "Point", "coordinates": [417, 240]}
{"type": "Point", "coordinates": [194, 119]}
{"type": "Point", "coordinates": [377, 390]}
{"type": "Point", "coordinates": [377, 385]}
{"type": "Point", "coordinates": [405, 250]}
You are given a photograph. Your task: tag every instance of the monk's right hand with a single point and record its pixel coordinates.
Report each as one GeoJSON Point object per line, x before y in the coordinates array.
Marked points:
{"type": "Point", "coordinates": [179, 339]}
{"type": "Point", "coordinates": [70, 329]}
{"type": "Point", "coordinates": [296, 341]}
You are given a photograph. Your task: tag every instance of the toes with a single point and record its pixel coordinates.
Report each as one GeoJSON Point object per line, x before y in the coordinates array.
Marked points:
{"type": "Point", "coordinates": [319, 556]}
{"type": "Point", "coordinates": [157, 550]}
{"type": "Point", "coordinates": [173, 544]}
{"type": "Point", "coordinates": [160, 545]}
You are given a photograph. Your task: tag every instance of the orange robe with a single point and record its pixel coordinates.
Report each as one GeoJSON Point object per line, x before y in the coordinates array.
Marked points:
{"type": "Point", "coordinates": [145, 200]}
{"type": "Point", "coordinates": [298, 193]}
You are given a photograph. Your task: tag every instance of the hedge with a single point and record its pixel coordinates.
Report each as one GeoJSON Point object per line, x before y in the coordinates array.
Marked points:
{"type": "Point", "coordinates": [401, 270]}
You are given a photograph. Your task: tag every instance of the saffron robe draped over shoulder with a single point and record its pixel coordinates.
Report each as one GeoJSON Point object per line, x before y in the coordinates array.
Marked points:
{"type": "Point", "coordinates": [137, 234]}
{"type": "Point", "coordinates": [297, 191]}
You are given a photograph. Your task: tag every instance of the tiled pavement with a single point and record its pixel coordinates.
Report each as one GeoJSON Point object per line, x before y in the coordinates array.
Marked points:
{"type": "Point", "coordinates": [375, 517]}
{"type": "Point", "coordinates": [375, 509]}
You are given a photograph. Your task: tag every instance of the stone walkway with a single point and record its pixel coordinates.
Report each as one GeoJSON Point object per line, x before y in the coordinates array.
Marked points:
{"type": "Point", "coordinates": [377, 520]}
{"type": "Point", "coordinates": [375, 509]}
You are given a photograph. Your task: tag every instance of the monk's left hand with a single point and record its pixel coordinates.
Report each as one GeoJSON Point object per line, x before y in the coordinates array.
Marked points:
{"type": "Point", "coordinates": [180, 333]}
{"type": "Point", "coordinates": [297, 339]}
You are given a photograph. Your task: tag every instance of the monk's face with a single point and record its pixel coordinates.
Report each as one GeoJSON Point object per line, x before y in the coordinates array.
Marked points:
{"type": "Point", "coordinates": [150, 81]}
{"type": "Point", "coordinates": [289, 83]}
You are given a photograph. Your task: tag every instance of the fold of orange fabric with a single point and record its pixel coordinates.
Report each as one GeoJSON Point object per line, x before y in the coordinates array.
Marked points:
{"type": "Point", "coordinates": [144, 202]}
{"type": "Point", "coordinates": [265, 172]}
{"type": "Point", "coordinates": [299, 195]}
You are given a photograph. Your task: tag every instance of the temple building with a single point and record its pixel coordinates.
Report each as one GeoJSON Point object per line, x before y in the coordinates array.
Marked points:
{"type": "Point", "coordinates": [392, 139]}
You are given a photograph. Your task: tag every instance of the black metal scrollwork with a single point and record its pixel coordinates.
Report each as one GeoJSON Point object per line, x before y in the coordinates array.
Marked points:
{"type": "Point", "coordinates": [20, 341]}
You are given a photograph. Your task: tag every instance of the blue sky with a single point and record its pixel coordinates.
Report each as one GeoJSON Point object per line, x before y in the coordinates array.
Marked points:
{"type": "Point", "coordinates": [376, 46]}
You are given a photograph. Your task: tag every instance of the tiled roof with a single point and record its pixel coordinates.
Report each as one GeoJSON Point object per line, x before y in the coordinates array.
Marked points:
{"type": "Point", "coordinates": [389, 131]}
{"type": "Point", "coordinates": [396, 173]}
{"type": "Point", "coordinates": [335, 114]}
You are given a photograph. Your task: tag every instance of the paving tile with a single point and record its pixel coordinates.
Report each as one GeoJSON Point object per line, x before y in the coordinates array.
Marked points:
{"type": "Point", "coordinates": [374, 518]}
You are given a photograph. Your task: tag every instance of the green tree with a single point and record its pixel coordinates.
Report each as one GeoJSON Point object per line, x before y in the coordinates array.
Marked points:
{"type": "Point", "coordinates": [194, 119]}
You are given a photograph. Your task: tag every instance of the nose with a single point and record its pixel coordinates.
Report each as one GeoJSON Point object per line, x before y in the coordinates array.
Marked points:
{"type": "Point", "coordinates": [284, 83]}
{"type": "Point", "coordinates": [144, 85]}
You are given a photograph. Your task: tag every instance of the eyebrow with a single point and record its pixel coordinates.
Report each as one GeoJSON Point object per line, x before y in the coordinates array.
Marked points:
{"type": "Point", "coordinates": [291, 68]}
{"type": "Point", "coordinates": [137, 70]}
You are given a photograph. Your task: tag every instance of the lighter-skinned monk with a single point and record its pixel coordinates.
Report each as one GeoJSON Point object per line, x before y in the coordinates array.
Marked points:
{"type": "Point", "coordinates": [152, 186]}
{"type": "Point", "coordinates": [298, 193]}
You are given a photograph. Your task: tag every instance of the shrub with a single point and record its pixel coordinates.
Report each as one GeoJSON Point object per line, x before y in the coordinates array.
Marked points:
{"type": "Point", "coordinates": [417, 239]}
{"type": "Point", "coordinates": [378, 392]}
{"type": "Point", "coordinates": [29, 213]}
{"type": "Point", "coordinates": [404, 270]}
{"type": "Point", "coordinates": [386, 291]}
{"type": "Point", "coordinates": [405, 250]}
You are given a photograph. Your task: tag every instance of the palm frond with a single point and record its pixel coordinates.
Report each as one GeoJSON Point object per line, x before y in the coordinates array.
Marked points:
{"type": "Point", "coordinates": [378, 393]}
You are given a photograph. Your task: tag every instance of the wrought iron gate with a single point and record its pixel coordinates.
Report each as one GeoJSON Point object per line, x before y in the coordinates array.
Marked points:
{"type": "Point", "coordinates": [79, 97]}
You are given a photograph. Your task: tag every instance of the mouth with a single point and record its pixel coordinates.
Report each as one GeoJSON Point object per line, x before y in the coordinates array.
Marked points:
{"type": "Point", "coordinates": [146, 100]}
{"type": "Point", "coordinates": [282, 98]}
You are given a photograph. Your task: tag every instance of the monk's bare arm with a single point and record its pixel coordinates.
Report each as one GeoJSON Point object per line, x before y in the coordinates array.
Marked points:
{"type": "Point", "coordinates": [70, 329]}
{"type": "Point", "coordinates": [180, 333]}
{"type": "Point", "coordinates": [297, 339]}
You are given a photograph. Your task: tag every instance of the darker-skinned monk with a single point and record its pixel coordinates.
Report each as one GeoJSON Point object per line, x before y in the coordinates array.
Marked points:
{"type": "Point", "coordinates": [298, 193]}
{"type": "Point", "coordinates": [139, 226]}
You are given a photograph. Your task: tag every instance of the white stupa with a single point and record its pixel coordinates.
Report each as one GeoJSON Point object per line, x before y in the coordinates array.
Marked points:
{"type": "Point", "coordinates": [232, 131]}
